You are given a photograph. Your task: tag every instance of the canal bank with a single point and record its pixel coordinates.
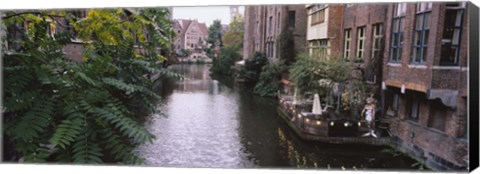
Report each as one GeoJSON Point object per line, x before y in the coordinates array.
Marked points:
{"type": "Point", "coordinates": [210, 123]}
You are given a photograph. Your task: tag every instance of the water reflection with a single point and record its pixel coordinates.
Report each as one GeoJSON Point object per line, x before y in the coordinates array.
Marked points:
{"type": "Point", "coordinates": [210, 123]}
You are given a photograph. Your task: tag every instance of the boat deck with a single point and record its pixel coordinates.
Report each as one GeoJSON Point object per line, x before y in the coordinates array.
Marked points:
{"type": "Point", "coordinates": [328, 127]}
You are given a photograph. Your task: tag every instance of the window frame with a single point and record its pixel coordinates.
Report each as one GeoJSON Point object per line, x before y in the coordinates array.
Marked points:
{"type": "Point", "coordinates": [317, 15]}
{"type": "Point", "coordinates": [319, 48]}
{"type": "Point", "coordinates": [377, 37]}
{"type": "Point", "coordinates": [460, 9]}
{"type": "Point", "coordinates": [361, 36]}
{"type": "Point", "coordinates": [270, 22]}
{"type": "Point", "coordinates": [423, 31]}
{"type": "Point", "coordinates": [413, 105]}
{"type": "Point", "coordinates": [291, 18]}
{"type": "Point", "coordinates": [395, 101]}
{"type": "Point", "coordinates": [398, 46]}
{"type": "Point", "coordinates": [347, 42]}
{"type": "Point", "coordinates": [435, 108]}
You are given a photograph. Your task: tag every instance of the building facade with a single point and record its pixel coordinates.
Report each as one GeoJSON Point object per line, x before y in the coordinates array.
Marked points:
{"type": "Point", "coordinates": [191, 35]}
{"type": "Point", "coordinates": [362, 39]}
{"type": "Point", "coordinates": [263, 25]}
{"type": "Point", "coordinates": [424, 76]}
{"type": "Point", "coordinates": [324, 31]}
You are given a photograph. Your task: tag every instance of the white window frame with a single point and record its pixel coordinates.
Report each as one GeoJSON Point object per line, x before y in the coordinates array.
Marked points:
{"type": "Point", "coordinates": [360, 47]}
{"type": "Point", "coordinates": [347, 42]}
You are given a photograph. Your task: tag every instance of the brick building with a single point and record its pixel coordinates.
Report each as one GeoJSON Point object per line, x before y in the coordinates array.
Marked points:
{"type": "Point", "coordinates": [424, 76]}
{"type": "Point", "coordinates": [324, 30]}
{"type": "Point", "coordinates": [263, 25]}
{"type": "Point", "coordinates": [362, 39]}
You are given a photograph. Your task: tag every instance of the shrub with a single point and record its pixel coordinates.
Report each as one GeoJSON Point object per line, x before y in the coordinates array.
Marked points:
{"type": "Point", "coordinates": [252, 68]}
{"type": "Point", "coordinates": [223, 63]}
{"type": "Point", "coordinates": [269, 80]}
{"type": "Point", "coordinates": [306, 72]}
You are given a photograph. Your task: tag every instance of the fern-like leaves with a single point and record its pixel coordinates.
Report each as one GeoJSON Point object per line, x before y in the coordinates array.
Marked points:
{"type": "Point", "coordinates": [35, 121]}
{"type": "Point", "coordinates": [66, 132]}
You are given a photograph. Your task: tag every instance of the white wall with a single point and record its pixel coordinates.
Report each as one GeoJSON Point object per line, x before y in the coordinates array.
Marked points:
{"type": "Point", "coordinates": [318, 31]}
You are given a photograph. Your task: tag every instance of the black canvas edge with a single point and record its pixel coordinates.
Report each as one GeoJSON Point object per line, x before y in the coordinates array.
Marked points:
{"type": "Point", "coordinates": [473, 86]}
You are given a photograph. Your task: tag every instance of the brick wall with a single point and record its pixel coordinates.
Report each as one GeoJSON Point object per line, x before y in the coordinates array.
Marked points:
{"type": "Point", "coordinates": [335, 30]}
{"type": "Point", "coordinates": [300, 27]}
{"type": "Point", "coordinates": [441, 149]}
{"type": "Point", "coordinates": [363, 15]}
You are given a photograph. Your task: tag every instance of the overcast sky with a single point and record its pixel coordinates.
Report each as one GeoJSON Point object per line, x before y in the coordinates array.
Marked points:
{"type": "Point", "coordinates": [205, 14]}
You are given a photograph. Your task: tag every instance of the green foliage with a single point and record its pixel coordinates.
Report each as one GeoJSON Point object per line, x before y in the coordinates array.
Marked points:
{"type": "Point", "coordinates": [286, 46]}
{"type": "Point", "coordinates": [58, 110]}
{"type": "Point", "coordinates": [234, 35]}
{"type": "Point", "coordinates": [184, 53]}
{"type": "Point", "coordinates": [306, 72]}
{"type": "Point", "coordinates": [224, 63]}
{"type": "Point", "coordinates": [215, 34]}
{"type": "Point", "coordinates": [250, 72]}
{"type": "Point", "coordinates": [269, 81]}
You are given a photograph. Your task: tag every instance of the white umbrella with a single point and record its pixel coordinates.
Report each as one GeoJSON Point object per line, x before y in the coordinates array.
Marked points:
{"type": "Point", "coordinates": [317, 107]}
{"type": "Point", "coordinates": [295, 101]}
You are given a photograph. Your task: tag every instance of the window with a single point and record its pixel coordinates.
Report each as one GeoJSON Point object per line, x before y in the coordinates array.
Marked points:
{"type": "Point", "coordinates": [412, 108]}
{"type": "Point", "coordinates": [452, 31]}
{"type": "Point", "coordinates": [420, 38]}
{"type": "Point", "coordinates": [397, 36]}
{"type": "Point", "coordinates": [269, 47]}
{"type": "Point", "coordinates": [395, 102]}
{"type": "Point", "coordinates": [346, 47]}
{"type": "Point", "coordinates": [291, 19]}
{"type": "Point", "coordinates": [135, 38]}
{"type": "Point", "coordinates": [270, 24]}
{"type": "Point", "coordinates": [377, 40]}
{"type": "Point", "coordinates": [317, 16]}
{"type": "Point", "coordinates": [437, 116]}
{"type": "Point", "coordinates": [360, 42]}
{"type": "Point", "coordinates": [278, 22]}
{"type": "Point", "coordinates": [400, 9]}
{"type": "Point", "coordinates": [319, 49]}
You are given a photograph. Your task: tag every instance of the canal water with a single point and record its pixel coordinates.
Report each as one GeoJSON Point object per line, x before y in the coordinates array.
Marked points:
{"type": "Point", "coordinates": [209, 122]}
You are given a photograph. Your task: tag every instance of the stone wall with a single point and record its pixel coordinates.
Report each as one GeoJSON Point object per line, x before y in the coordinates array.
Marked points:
{"type": "Point", "coordinates": [74, 51]}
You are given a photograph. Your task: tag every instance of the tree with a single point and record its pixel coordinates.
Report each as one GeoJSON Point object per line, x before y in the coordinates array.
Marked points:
{"type": "Point", "coordinates": [269, 79]}
{"type": "Point", "coordinates": [223, 63]}
{"type": "Point", "coordinates": [286, 46]}
{"type": "Point", "coordinates": [185, 52]}
{"type": "Point", "coordinates": [234, 35]}
{"type": "Point", "coordinates": [58, 110]}
{"type": "Point", "coordinates": [215, 34]}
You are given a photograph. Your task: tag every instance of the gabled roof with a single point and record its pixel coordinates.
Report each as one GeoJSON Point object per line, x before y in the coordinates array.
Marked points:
{"type": "Point", "coordinates": [203, 28]}
{"type": "Point", "coordinates": [185, 23]}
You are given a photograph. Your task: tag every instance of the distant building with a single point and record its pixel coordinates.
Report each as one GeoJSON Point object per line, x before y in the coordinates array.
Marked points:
{"type": "Point", "coordinates": [263, 24]}
{"type": "Point", "coordinates": [425, 71]}
{"type": "Point", "coordinates": [192, 36]}
{"type": "Point", "coordinates": [234, 11]}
